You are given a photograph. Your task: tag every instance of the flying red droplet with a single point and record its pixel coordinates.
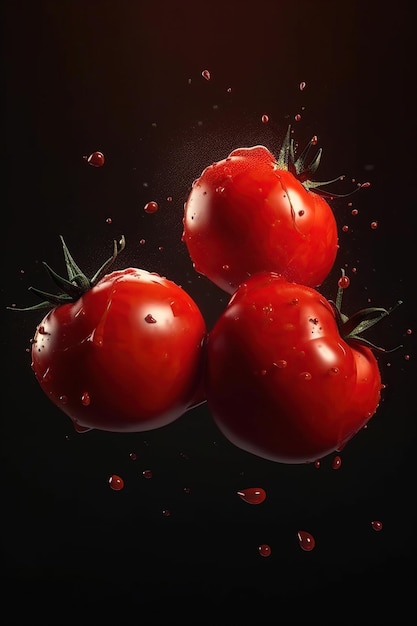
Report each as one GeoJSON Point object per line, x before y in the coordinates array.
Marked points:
{"type": "Point", "coordinates": [264, 549]}
{"type": "Point", "coordinates": [343, 282]}
{"type": "Point", "coordinates": [147, 473]}
{"type": "Point", "coordinates": [206, 74]}
{"type": "Point", "coordinates": [96, 159]}
{"type": "Point", "coordinates": [151, 207]}
{"type": "Point", "coordinates": [150, 319]}
{"type": "Point", "coordinates": [306, 540]}
{"type": "Point", "coordinates": [252, 495]}
{"type": "Point", "coordinates": [116, 482]}
{"type": "Point", "coordinates": [297, 117]}
{"type": "Point", "coordinates": [265, 119]}
{"type": "Point", "coordinates": [85, 398]}
{"type": "Point", "coordinates": [337, 462]}
{"type": "Point", "coordinates": [376, 525]}
{"type": "Point", "coordinates": [302, 86]}
{"type": "Point", "coordinates": [374, 225]}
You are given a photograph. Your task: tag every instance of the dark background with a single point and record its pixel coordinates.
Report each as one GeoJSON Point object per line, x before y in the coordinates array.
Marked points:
{"type": "Point", "coordinates": [125, 78]}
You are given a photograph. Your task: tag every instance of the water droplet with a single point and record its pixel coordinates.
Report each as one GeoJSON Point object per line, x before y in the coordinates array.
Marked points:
{"type": "Point", "coordinates": [151, 207]}
{"type": "Point", "coordinates": [264, 549]}
{"type": "Point", "coordinates": [306, 540]}
{"type": "Point", "coordinates": [305, 376]}
{"type": "Point", "coordinates": [116, 482]}
{"type": "Point", "coordinates": [147, 473]}
{"type": "Point", "coordinates": [169, 199]}
{"type": "Point", "coordinates": [150, 319]}
{"type": "Point", "coordinates": [85, 398]}
{"type": "Point", "coordinates": [376, 525]}
{"type": "Point", "coordinates": [252, 495]}
{"type": "Point", "coordinates": [108, 220]}
{"type": "Point", "coordinates": [302, 86]}
{"type": "Point", "coordinates": [317, 464]}
{"type": "Point", "coordinates": [409, 331]}
{"type": "Point", "coordinates": [206, 74]}
{"type": "Point", "coordinates": [229, 90]}
{"type": "Point", "coordinates": [345, 228]}
{"type": "Point", "coordinates": [166, 512]}
{"type": "Point", "coordinates": [336, 463]}
{"type": "Point", "coordinates": [301, 213]}
{"type": "Point", "coordinates": [297, 117]}
{"type": "Point", "coordinates": [354, 211]}
{"type": "Point", "coordinates": [142, 242]}
{"type": "Point", "coordinates": [133, 456]}
{"type": "Point", "coordinates": [374, 225]}
{"type": "Point", "coordinates": [96, 159]}
{"type": "Point", "coordinates": [63, 399]}
{"type": "Point", "coordinates": [407, 357]}
{"type": "Point", "coordinates": [343, 282]}
{"type": "Point", "coordinates": [265, 119]}
{"type": "Point", "coordinates": [280, 364]}
{"type": "Point", "coordinates": [314, 140]}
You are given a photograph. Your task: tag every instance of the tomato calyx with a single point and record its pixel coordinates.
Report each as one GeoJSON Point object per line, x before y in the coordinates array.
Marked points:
{"type": "Point", "coordinates": [298, 166]}
{"type": "Point", "coordinates": [76, 284]}
{"type": "Point", "coordinates": [351, 328]}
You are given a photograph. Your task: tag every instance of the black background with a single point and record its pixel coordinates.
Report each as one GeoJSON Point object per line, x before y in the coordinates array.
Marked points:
{"type": "Point", "coordinates": [125, 78]}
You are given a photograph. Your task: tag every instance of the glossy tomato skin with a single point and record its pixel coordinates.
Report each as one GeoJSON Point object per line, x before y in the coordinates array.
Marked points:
{"type": "Point", "coordinates": [281, 383]}
{"type": "Point", "coordinates": [244, 215]}
{"type": "Point", "coordinates": [125, 357]}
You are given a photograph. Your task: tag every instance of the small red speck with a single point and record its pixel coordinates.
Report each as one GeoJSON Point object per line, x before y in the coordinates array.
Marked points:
{"type": "Point", "coordinates": [85, 398]}
{"type": "Point", "coordinates": [109, 220]}
{"type": "Point", "coordinates": [133, 456]}
{"type": "Point", "coordinates": [317, 464]}
{"type": "Point", "coordinates": [376, 525]}
{"type": "Point", "coordinates": [166, 512]}
{"type": "Point", "coordinates": [142, 242]}
{"type": "Point", "coordinates": [147, 473]}
{"type": "Point", "coordinates": [206, 74]}
{"type": "Point", "coordinates": [345, 228]}
{"type": "Point", "coordinates": [264, 549]}
{"type": "Point", "coordinates": [265, 119]}
{"type": "Point", "coordinates": [302, 86]}
{"type": "Point", "coordinates": [169, 199]}
{"type": "Point", "coordinates": [229, 90]}
{"type": "Point", "coordinates": [374, 225]}
{"type": "Point", "coordinates": [116, 482]}
{"type": "Point", "coordinates": [297, 117]}
{"type": "Point", "coordinates": [149, 319]}
{"type": "Point", "coordinates": [409, 331]}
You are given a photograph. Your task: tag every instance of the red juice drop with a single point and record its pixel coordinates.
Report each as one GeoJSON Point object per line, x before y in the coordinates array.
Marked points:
{"type": "Point", "coordinates": [116, 482]}
{"type": "Point", "coordinates": [252, 495]}
{"type": "Point", "coordinates": [306, 540]}
{"type": "Point", "coordinates": [264, 549]}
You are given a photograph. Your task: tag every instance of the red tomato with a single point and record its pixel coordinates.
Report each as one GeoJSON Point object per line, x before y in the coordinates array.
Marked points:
{"type": "Point", "coordinates": [248, 213]}
{"type": "Point", "coordinates": [126, 355]}
{"type": "Point", "coordinates": [281, 380]}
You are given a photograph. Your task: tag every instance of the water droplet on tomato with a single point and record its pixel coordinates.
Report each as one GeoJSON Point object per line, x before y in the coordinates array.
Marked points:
{"type": "Point", "coordinates": [85, 398]}
{"type": "Point", "coordinates": [206, 74]}
{"type": "Point", "coordinates": [265, 119]}
{"type": "Point", "coordinates": [302, 86]}
{"type": "Point", "coordinates": [336, 463]}
{"type": "Point", "coordinates": [333, 371]}
{"type": "Point", "coordinates": [376, 525]}
{"type": "Point", "coordinates": [280, 364]}
{"type": "Point", "coordinates": [301, 213]}
{"type": "Point", "coordinates": [305, 376]}
{"type": "Point", "coordinates": [150, 319]}
{"type": "Point", "coordinates": [374, 225]}
{"type": "Point", "coordinates": [151, 207]}
{"type": "Point", "coordinates": [343, 282]}
{"type": "Point", "coordinates": [306, 540]}
{"type": "Point", "coordinates": [264, 549]}
{"type": "Point", "coordinates": [147, 473]}
{"type": "Point", "coordinates": [96, 159]}
{"type": "Point", "coordinates": [116, 482]}
{"type": "Point", "coordinates": [252, 495]}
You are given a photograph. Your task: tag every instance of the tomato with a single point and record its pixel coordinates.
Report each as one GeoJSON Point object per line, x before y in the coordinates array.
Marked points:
{"type": "Point", "coordinates": [288, 378]}
{"type": "Point", "coordinates": [124, 354]}
{"type": "Point", "coordinates": [250, 213]}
